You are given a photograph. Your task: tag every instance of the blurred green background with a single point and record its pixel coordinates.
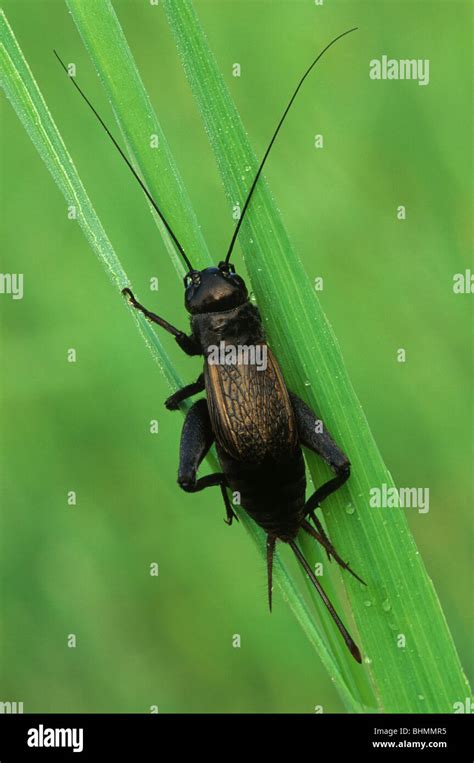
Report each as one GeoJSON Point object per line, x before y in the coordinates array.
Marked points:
{"type": "Point", "coordinates": [84, 426]}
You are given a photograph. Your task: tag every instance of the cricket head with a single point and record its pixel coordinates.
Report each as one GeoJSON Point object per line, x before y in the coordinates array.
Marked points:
{"type": "Point", "coordinates": [214, 290]}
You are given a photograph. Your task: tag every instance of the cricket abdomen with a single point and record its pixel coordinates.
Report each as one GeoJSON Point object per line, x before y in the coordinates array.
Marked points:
{"type": "Point", "coordinates": [272, 492]}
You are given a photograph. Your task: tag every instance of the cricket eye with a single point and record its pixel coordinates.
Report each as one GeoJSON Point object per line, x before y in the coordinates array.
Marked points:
{"type": "Point", "coordinates": [226, 268]}
{"type": "Point", "coordinates": [192, 278]}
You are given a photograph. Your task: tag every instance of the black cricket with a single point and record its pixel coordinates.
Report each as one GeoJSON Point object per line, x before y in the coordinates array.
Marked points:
{"type": "Point", "coordinates": [257, 425]}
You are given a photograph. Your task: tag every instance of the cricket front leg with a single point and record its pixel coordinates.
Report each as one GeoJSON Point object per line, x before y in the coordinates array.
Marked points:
{"type": "Point", "coordinates": [187, 343]}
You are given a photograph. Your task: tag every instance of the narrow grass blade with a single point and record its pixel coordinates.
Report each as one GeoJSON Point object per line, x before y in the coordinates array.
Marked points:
{"type": "Point", "coordinates": [27, 100]}
{"type": "Point", "coordinates": [424, 675]}
{"type": "Point", "coordinates": [105, 41]}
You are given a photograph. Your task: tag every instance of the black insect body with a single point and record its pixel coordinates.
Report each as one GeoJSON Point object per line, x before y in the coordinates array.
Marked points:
{"type": "Point", "coordinates": [257, 425]}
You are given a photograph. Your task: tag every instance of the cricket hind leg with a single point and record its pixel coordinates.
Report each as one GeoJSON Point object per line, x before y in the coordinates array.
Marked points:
{"type": "Point", "coordinates": [320, 535]}
{"type": "Point", "coordinates": [196, 439]}
{"type": "Point", "coordinates": [330, 550]}
{"type": "Point", "coordinates": [322, 444]}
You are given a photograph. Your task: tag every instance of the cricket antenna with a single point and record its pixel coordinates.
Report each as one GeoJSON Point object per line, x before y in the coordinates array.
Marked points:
{"type": "Point", "coordinates": [130, 166]}
{"type": "Point", "coordinates": [351, 645]}
{"type": "Point", "coordinates": [262, 163]}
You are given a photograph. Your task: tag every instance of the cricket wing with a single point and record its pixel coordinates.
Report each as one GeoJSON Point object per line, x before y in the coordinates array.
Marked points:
{"type": "Point", "coordinates": [250, 410]}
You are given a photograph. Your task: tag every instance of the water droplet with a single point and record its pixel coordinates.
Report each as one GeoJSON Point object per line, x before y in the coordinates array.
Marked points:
{"type": "Point", "coordinates": [350, 508]}
{"type": "Point", "coordinates": [367, 603]}
{"type": "Point", "coordinates": [307, 383]}
{"type": "Point", "coordinates": [386, 606]}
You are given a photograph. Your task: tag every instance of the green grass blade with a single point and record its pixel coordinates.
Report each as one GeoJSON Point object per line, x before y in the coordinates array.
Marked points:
{"type": "Point", "coordinates": [425, 675]}
{"type": "Point", "coordinates": [27, 100]}
{"type": "Point", "coordinates": [105, 41]}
